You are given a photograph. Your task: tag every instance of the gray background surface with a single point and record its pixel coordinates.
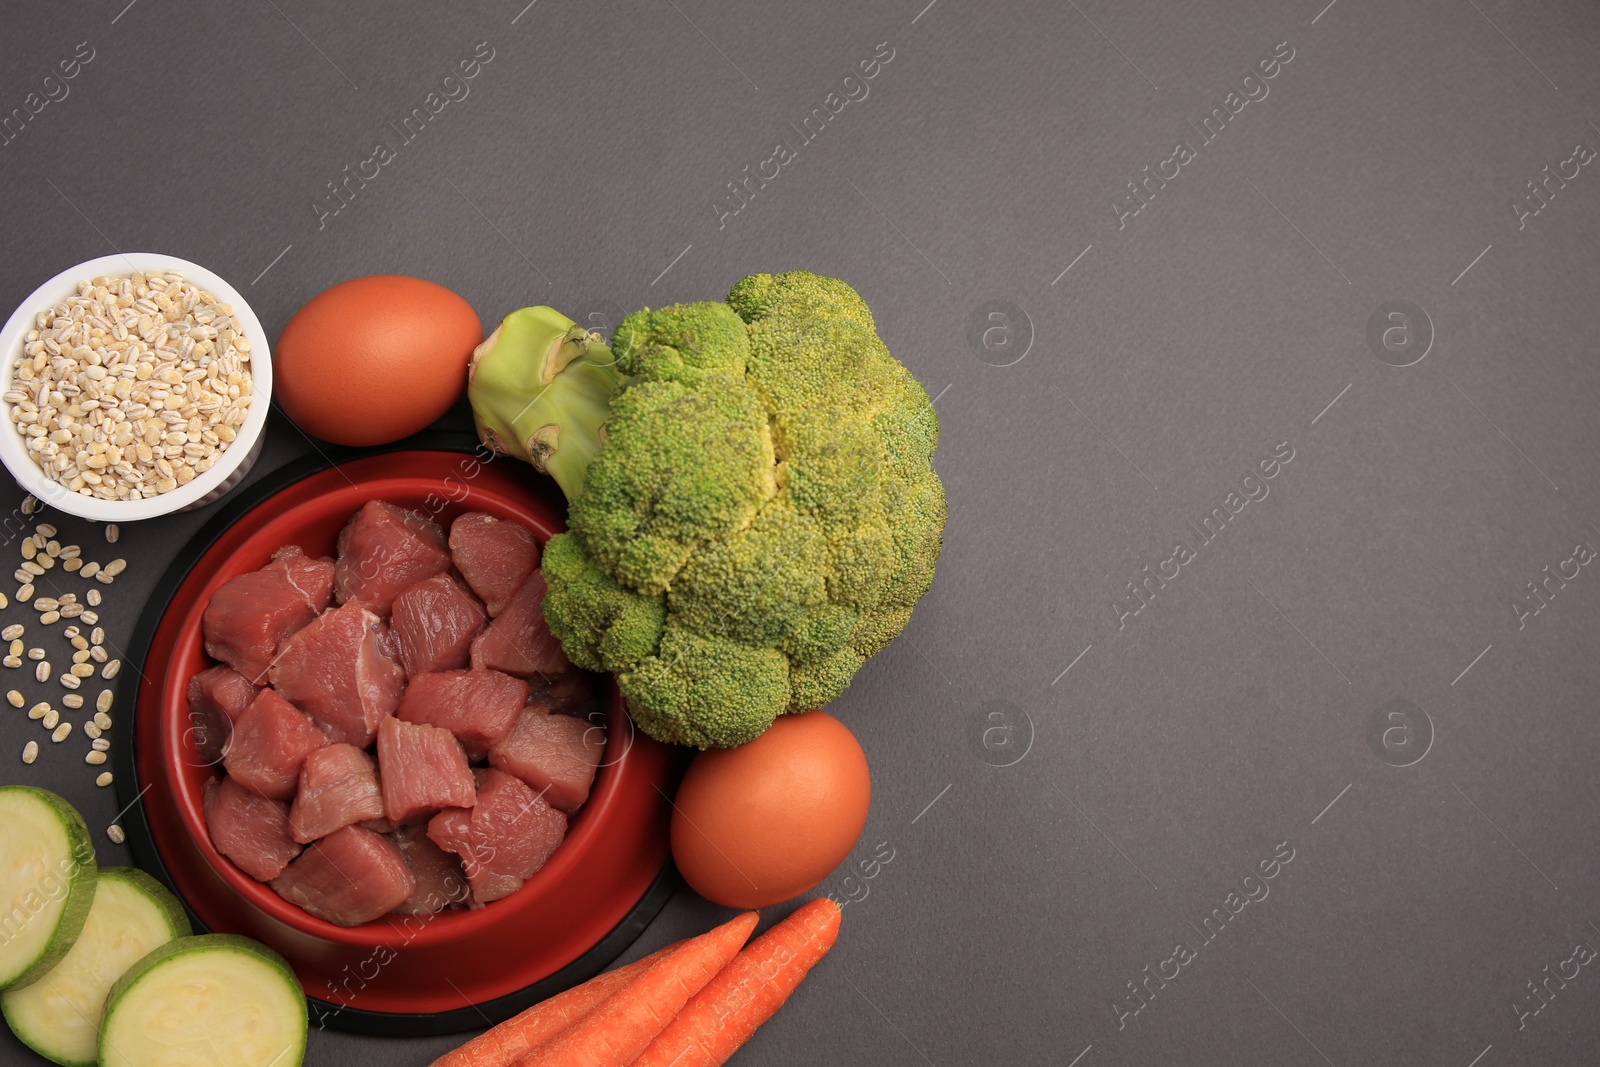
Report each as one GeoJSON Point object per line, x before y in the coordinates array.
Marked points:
{"type": "Point", "coordinates": [1054, 830]}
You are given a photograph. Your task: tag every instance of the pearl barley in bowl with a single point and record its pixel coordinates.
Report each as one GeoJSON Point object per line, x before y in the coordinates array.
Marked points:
{"type": "Point", "coordinates": [134, 385]}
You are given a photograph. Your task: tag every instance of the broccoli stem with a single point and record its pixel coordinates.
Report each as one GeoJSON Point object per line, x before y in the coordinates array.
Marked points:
{"type": "Point", "coordinates": [540, 387]}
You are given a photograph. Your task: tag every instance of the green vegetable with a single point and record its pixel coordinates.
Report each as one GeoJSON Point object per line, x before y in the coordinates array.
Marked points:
{"type": "Point", "coordinates": [203, 1002]}
{"type": "Point", "coordinates": [58, 1016]}
{"type": "Point", "coordinates": [753, 506]}
{"type": "Point", "coordinates": [547, 375]}
{"type": "Point", "coordinates": [47, 877]}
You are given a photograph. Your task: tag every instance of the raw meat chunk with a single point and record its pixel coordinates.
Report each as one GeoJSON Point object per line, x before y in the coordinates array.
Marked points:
{"type": "Point", "coordinates": [506, 836]}
{"type": "Point", "coordinates": [440, 879]}
{"type": "Point", "coordinates": [518, 641]}
{"type": "Point", "coordinates": [435, 622]}
{"type": "Point", "coordinates": [338, 670]}
{"type": "Point", "coordinates": [350, 877]}
{"type": "Point", "coordinates": [424, 769]}
{"type": "Point", "coordinates": [217, 696]}
{"type": "Point", "coordinates": [250, 830]}
{"type": "Point", "coordinates": [555, 754]}
{"type": "Point", "coordinates": [479, 707]}
{"type": "Point", "coordinates": [251, 614]}
{"type": "Point", "coordinates": [338, 786]}
{"type": "Point", "coordinates": [383, 549]}
{"type": "Point", "coordinates": [493, 556]}
{"type": "Point", "coordinates": [270, 742]}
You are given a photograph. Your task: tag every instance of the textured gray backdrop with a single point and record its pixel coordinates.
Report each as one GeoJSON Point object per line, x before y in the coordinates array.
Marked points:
{"type": "Point", "coordinates": [1068, 788]}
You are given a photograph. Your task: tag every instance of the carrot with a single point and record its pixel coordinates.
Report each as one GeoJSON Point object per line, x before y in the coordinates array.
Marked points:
{"type": "Point", "coordinates": [505, 1044]}
{"type": "Point", "coordinates": [746, 993]}
{"type": "Point", "coordinates": [613, 1034]}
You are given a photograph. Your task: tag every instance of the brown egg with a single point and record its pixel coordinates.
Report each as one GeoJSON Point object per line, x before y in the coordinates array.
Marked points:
{"type": "Point", "coordinates": [374, 359]}
{"type": "Point", "coordinates": [766, 821]}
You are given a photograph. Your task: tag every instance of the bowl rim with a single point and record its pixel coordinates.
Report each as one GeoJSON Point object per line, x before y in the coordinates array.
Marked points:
{"type": "Point", "coordinates": [28, 474]}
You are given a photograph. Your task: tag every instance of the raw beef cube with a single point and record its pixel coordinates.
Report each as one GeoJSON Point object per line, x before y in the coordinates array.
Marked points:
{"type": "Point", "coordinates": [440, 879]}
{"type": "Point", "coordinates": [555, 754]}
{"type": "Point", "coordinates": [493, 556]}
{"type": "Point", "coordinates": [251, 614]}
{"type": "Point", "coordinates": [383, 549]}
{"type": "Point", "coordinates": [424, 769]}
{"type": "Point", "coordinates": [350, 877]}
{"type": "Point", "coordinates": [217, 696]}
{"type": "Point", "coordinates": [338, 786]}
{"type": "Point", "coordinates": [451, 830]}
{"type": "Point", "coordinates": [504, 838]}
{"type": "Point", "coordinates": [479, 707]}
{"type": "Point", "coordinates": [435, 622]}
{"type": "Point", "coordinates": [518, 641]}
{"type": "Point", "coordinates": [270, 742]}
{"type": "Point", "coordinates": [311, 578]}
{"type": "Point", "coordinates": [572, 693]}
{"type": "Point", "coordinates": [250, 830]}
{"type": "Point", "coordinates": [340, 672]}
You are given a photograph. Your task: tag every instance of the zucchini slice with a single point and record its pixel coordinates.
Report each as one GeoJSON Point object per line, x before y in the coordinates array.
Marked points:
{"type": "Point", "coordinates": [47, 876]}
{"type": "Point", "coordinates": [58, 1016]}
{"type": "Point", "coordinates": [203, 1002]}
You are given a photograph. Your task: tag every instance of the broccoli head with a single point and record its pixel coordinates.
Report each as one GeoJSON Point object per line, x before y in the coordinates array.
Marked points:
{"type": "Point", "coordinates": [753, 506]}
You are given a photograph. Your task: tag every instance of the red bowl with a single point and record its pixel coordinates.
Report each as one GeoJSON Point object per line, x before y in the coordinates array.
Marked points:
{"type": "Point", "coordinates": [452, 969]}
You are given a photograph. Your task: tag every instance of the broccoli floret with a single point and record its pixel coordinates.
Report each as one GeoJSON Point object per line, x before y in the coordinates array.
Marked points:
{"type": "Point", "coordinates": [753, 505]}
{"type": "Point", "coordinates": [682, 467]}
{"type": "Point", "coordinates": [601, 625]}
{"type": "Point", "coordinates": [710, 692]}
{"type": "Point", "coordinates": [757, 585]}
{"type": "Point", "coordinates": [682, 343]}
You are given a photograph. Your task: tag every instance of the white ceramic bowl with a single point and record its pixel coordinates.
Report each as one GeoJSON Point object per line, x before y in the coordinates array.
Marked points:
{"type": "Point", "coordinates": [230, 467]}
